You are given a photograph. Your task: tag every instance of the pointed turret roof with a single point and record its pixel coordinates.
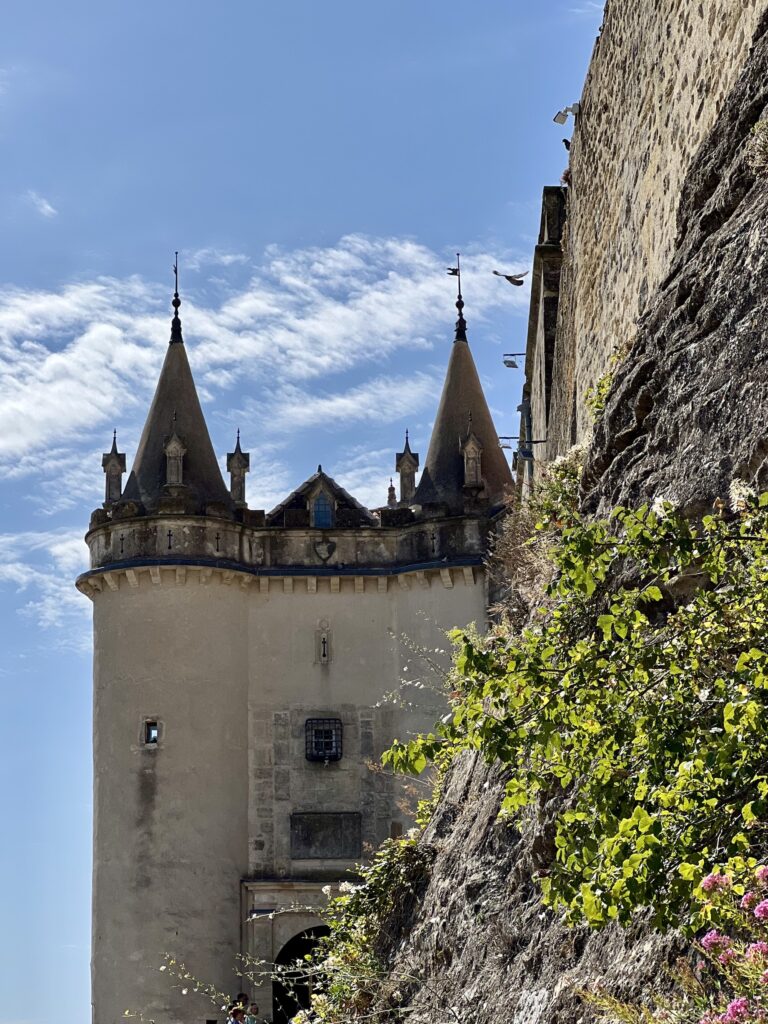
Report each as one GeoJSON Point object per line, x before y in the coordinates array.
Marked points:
{"type": "Point", "coordinates": [176, 410]}
{"type": "Point", "coordinates": [462, 402]}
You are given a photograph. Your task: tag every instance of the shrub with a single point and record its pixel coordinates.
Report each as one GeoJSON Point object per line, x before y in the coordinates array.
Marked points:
{"type": "Point", "coordinates": [640, 696]}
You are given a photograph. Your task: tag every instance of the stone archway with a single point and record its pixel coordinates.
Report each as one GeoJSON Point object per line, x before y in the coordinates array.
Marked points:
{"type": "Point", "coordinates": [290, 997]}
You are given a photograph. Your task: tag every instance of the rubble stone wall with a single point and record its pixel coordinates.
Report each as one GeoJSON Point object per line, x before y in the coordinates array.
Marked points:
{"type": "Point", "coordinates": [659, 75]}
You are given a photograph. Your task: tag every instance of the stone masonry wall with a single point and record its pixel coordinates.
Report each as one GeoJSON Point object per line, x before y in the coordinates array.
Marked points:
{"type": "Point", "coordinates": [659, 74]}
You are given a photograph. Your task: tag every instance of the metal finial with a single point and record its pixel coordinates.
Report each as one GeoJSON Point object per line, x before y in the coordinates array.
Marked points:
{"type": "Point", "coordinates": [176, 322]}
{"type": "Point", "coordinates": [461, 324]}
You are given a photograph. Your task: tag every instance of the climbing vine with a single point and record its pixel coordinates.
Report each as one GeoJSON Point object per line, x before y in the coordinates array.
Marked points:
{"type": "Point", "coordinates": [639, 695]}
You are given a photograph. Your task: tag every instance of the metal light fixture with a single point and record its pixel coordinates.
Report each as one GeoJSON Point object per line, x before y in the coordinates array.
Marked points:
{"type": "Point", "coordinates": [562, 115]}
{"type": "Point", "coordinates": [510, 359]}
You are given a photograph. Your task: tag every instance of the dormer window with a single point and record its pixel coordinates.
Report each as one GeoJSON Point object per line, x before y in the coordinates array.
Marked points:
{"type": "Point", "coordinates": [174, 466]}
{"type": "Point", "coordinates": [472, 473]}
{"type": "Point", "coordinates": [322, 512]}
{"type": "Point", "coordinates": [472, 450]}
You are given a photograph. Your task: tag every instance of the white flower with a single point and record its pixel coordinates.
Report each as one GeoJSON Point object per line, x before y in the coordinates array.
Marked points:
{"type": "Point", "coordinates": [740, 494]}
{"type": "Point", "coordinates": [660, 506]}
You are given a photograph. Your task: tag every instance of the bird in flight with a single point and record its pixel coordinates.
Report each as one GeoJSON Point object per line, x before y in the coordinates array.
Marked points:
{"type": "Point", "coordinates": [512, 278]}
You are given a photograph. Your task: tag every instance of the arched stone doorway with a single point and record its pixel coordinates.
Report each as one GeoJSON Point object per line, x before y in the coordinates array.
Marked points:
{"type": "Point", "coordinates": [289, 998]}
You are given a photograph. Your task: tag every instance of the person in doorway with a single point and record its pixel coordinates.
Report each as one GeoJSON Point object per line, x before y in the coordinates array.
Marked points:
{"type": "Point", "coordinates": [252, 1016]}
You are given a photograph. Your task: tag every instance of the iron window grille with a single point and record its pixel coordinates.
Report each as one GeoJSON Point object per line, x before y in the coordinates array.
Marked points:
{"type": "Point", "coordinates": [323, 739]}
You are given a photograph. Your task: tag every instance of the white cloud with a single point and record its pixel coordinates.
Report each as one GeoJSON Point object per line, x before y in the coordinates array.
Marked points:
{"type": "Point", "coordinates": [381, 400]}
{"type": "Point", "coordinates": [315, 339]}
{"type": "Point", "coordinates": [366, 475]}
{"type": "Point", "coordinates": [588, 8]}
{"type": "Point", "coordinates": [41, 567]}
{"type": "Point", "coordinates": [70, 361]}
{"type": "Point", "coordinates": [212, 257]}
{"type": "Point", "coordinates": [40, 203]}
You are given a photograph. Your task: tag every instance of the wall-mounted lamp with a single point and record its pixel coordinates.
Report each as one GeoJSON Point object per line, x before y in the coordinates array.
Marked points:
{"type": "Point", "coordinates": [562, 115]}
{"type": "Point", "coordinates": [510, 359]}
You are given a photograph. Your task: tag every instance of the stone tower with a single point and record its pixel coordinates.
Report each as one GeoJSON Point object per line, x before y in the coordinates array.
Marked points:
{"type": "Point", "coordinates": [240, 661]}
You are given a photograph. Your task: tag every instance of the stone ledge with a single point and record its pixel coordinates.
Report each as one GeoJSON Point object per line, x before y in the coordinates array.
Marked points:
{"type": "Point", "coordinates": [175, 574]}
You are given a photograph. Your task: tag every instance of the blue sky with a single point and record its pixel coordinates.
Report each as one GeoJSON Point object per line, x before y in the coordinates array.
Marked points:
{"type": "Point", "coordinates": [317, 165]}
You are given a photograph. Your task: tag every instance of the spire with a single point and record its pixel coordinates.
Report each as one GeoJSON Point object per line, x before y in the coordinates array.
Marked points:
{"type": "Point", "coordinates": [461, 323]}
{"type": "Point", "coordinates": [113, 464]}
{"type": "Point", "coordinates": [176, 337]}
{"type": "Point", "coordinates": [406, 464]}
{"type": "Point", "coordinates": [176, 413]}
{"type": "Point", "coordinates": [463, 414]}
{"type": "Point", "coordinates": [238, 464]}
{"type": "Point", "coordinates": [391, 495]}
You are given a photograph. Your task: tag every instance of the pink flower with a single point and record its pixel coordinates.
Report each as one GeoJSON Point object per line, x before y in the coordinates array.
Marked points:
{"type": "Point", "coordinates": [727, 956]}
{"type": "Point", "coordinates": [748, 900]}
{"type": "Point", "coordinates": [761, 910]}
{"type": "Point", "coordinates": [738, 1010]}
{"type": "Point", "coordinates": [714, 883]}
{"type": "Point", "coordinates": [757, 950]}
{"type": "Point", "coordinates": [764, 978]}
{"type": "Point", "coordinates": [761, 873]}
{"type": "Point", "coordinates": [714, 942]}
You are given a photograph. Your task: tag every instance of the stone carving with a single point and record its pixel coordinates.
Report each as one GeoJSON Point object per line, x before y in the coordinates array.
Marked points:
{"type": "Point", "coordinates": [324, 549]}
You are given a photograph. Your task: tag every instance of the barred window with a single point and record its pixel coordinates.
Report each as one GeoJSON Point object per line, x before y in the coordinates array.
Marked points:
{"type": "Point", "coordinates": [323, 739]}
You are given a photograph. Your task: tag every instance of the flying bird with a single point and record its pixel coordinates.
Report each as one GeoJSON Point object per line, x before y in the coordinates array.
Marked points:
{"type": "Point", "coordinates": [512, 278]}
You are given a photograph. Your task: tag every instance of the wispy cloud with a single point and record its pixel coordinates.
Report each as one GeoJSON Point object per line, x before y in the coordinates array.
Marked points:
{"type": "Point", "coordinates": [588, 8]}
{"type": "Point", "coordinates": [40, 567]}
{"type": "Point", "coordinates": [69, 359]}
{"type": "Point", "coordinates": [213, 258]}
{"type": "Point", "coordinates": [316, 342]}
{"type": "Point", "coordinates": [380, 400]}
{"type": "Point", "coordinates": [40, 203]}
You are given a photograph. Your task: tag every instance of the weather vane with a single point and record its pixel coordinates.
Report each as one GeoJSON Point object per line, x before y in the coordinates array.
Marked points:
{"type": "Point", "coordinates": [461, 326]}
{"type": "Point", "coordinates": [456, 272]}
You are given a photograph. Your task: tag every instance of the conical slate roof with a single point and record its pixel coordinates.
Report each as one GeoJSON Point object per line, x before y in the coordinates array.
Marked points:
{"type": "Point", "coordinates": [442, 479]}
{"type": "Point", "coordinates": [176, 410]}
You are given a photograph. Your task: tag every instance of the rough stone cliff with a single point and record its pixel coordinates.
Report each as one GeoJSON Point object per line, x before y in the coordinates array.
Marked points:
{"type": "Point", "coordinates": [686, 414]}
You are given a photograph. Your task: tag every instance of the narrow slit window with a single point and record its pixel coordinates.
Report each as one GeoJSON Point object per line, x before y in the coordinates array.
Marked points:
{"type": "Point", "coordinates": [323, 738]}
{"type": "Point", "coordinates": [151, 733]}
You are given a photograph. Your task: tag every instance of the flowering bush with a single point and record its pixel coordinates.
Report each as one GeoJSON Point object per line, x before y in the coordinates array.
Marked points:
{"type": "Point", "coordinates": [728, 982]}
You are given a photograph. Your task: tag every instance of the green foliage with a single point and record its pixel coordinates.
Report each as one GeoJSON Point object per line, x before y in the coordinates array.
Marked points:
{"type": "Point", "coordinates": [597, 395]}
{"type": "Point", "coordinates": [350, 963]}
{"type": "Point", "coordinates": [640, 695]}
